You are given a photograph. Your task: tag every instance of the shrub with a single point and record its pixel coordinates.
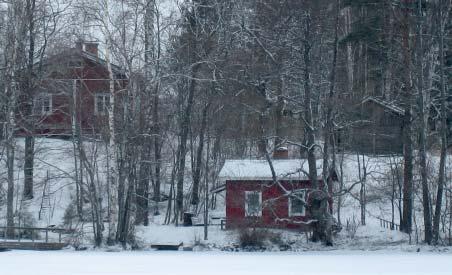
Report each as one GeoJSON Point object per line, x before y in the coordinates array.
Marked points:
{"type": "Point", "coordinates": [70, 215]}
{"type": "Point", "coordinates": [351, 227]}
{"type": "Point", "coordinates": [258, 238]}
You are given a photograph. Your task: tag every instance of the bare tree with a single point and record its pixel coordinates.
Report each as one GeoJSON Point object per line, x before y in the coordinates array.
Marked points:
{"type": "Point", "coordinates": [423, 129]}
{"type": "Point", "coordinates": [443, 11]}
{"type": "Point", "coordinates": [407, 219]}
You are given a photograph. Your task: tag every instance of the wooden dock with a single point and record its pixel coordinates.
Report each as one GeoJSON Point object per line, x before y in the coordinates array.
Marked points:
{"type": "Point", "coordinates": [167, 246]}
{"type": "Point", "coordinates": [31, 245]}
{"type": "Point", "coordinates": [29, 238]}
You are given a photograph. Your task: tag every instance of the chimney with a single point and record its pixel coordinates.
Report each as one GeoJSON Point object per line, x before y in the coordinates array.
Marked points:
{"type": "Point", "coordinates": [91, 47]}
{"type": "Point", "coordinates": [281, 153]}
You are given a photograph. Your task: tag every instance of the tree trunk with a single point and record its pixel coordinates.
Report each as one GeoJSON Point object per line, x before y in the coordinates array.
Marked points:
{"type": "Point", "coordinates": [443, 132]}
{"type": "Point", "coordinates": [29, 139]}
{"type": "Point", "coordinates": [185, 127]}
{"type": "Point", "coordinates": [407, 216]}
{"type": "Point", "coordinates": [279, 113]}
{"type": "Point", "coordinates": [341, 187]}
{"type": "Point", "coordinates": [10, 92]}
{"type": "Point", "coordinates": [308, 121]}
{"type": "Point", "coordinates": [76, 143]}
{"type": "Point", "coordinates": [157, 151]}
{"type": "Point", "coordinates": [199, 153]}
{"type": "Point", "coordinates": [28, 167]}
{"type": "Point", "coordinates": [206, 189]}
{"type": "Point", "coordinates": [10, 149]}
{"type": "Point", "coordinates": [329, 123]}
{"type": "Point", "coordinates": [362, 169]}
{"type": "Point", "coordinates": [113, 177]}
{"type": "Point", "coordinates": [422, 134]}
{"type": "Point", "coordinates": [142, 189]}
{"type": "Point", "coordinates": [96, 209]}
{"type": "Point", "coordinates": [319, 198]}
{"type": "Point", "coordinates": [157, 129]}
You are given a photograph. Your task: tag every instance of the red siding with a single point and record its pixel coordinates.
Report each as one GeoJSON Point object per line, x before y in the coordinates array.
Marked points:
{"type": "Point", "coordinates": [276, 204]}
{"type": "Point", "coordinates": [92, 78]}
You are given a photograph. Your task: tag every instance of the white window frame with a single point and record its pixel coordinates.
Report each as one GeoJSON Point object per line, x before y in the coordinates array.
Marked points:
{"type": "Point", "coordinates": [37, 103]}
{"type": "Point", "coordinates": [294, 193]}
{"type": "Point", "coordinates": [247, 212]}
{"type": "Point", "coordinates": [104, 96]}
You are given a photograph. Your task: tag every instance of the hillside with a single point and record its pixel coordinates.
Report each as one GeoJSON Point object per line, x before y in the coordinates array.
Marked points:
{"type": "Point", "coordinates": [55, 190]}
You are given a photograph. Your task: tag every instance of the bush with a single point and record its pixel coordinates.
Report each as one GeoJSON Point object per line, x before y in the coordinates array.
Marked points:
{"type": "Point", "coordinates": [258, 238]}
{"type": "Point", "coordinates": [77, 237]}
{"type": "Point", "coordinates": [351, 227]}
{"type": "Point", "coordinates": [70, 215]}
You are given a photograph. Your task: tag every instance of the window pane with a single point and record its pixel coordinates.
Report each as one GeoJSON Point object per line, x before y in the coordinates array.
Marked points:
{"type": "Point", "coordinates": [102, 103]}
{"type": "Point", "coordinates": [42, 104]}
{"type": "Point", "coordinates": [253, 204]}
{"type": "Point", "coordinates": [297, 207]}
{"type": "Point", "coordinates": [46, 102]}
{"type": "Point", "coordinates": [38, 106]}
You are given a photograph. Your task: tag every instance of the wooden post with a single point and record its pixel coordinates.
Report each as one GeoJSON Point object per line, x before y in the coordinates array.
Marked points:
{"type": "Point", "coordinates": [47, 236]}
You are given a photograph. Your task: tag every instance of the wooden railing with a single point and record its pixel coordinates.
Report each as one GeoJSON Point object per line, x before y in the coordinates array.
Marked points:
{"type": "Point", "coordinates": [388, 224]}
{"type": "Point", "coordinates": [30, 233]}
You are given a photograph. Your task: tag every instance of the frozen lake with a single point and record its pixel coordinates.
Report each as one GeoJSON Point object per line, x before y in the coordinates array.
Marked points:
{"type": "Point", "coordinates": [213, 263]}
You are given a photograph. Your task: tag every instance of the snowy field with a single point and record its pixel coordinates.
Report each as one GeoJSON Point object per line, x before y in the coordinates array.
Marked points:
{"type": "Point", "coordinates": [199, 263]}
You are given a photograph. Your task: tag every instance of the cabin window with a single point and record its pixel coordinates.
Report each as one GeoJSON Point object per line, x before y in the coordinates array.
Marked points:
{"type": "Point", "coordinates": [297, 203]}
{"type": "Point", "coordinates": [253, 203]}
{"type": "Point", "coordinates": [42, 104]}
{"type": "Point", "coordinates": [101, 104]}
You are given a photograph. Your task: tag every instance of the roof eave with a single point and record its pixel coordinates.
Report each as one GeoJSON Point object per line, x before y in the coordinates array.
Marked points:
{"type": "Point", "coordinates": [261, 178]}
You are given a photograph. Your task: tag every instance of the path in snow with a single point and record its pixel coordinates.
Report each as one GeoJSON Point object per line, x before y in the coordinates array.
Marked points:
{"type": "Point", "coordinates": [94, 263]}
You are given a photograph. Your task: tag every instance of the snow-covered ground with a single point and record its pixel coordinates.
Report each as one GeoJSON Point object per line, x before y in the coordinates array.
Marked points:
{"type": "Point", "coordinates": [55, 171]}
{"type": "Point", "coordinates": [200, 263]}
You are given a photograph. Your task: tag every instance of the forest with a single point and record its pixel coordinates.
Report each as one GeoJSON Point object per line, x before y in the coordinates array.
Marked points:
{"type": "Point", "coordinates": [363, 87]}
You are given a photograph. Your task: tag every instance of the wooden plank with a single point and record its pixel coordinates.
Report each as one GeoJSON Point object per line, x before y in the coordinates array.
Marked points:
{"type": "Point", "coordinates": [51, 229]}
{"type": "Point", "coordinates": [167, 246]}
{"type": "Point", "coordinates": [31, 245]}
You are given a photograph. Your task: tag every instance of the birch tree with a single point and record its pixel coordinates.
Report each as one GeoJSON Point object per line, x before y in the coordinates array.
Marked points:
{"type": "Point", "coordinates": [14, 12]}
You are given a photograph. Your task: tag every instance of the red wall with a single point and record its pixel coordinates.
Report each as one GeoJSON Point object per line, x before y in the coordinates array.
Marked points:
{"type": "Point", "coordinates": [92, 78]}
{"type": "Point", "coordinates": [276, 204]}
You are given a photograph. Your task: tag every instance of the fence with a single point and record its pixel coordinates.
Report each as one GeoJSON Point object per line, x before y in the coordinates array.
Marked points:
{"type": "Point", "coordinates": [30, 233]}
{"type": "Point", "coordinates": [388, 224]}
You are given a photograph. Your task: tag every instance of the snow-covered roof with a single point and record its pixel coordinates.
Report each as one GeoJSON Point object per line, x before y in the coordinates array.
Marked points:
{"type": "Point", "coordinates": [385, 104]}
{"type": "Point", "coordinates": [73, 52]}
{"type": "Point", "coordinates": [254, 169]}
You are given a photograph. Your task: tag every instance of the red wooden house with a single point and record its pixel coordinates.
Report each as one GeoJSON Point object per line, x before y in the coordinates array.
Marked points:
{"type": "Point", "coordinates": [254, 199]}
{"type": "Point", "coordinates": [73, 89]}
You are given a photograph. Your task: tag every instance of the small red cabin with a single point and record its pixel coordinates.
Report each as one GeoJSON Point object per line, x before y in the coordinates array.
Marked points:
{"type": "Point", "coordinates": [254, 199]}
{"type": "Point", "coordinates": [73, 88]}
